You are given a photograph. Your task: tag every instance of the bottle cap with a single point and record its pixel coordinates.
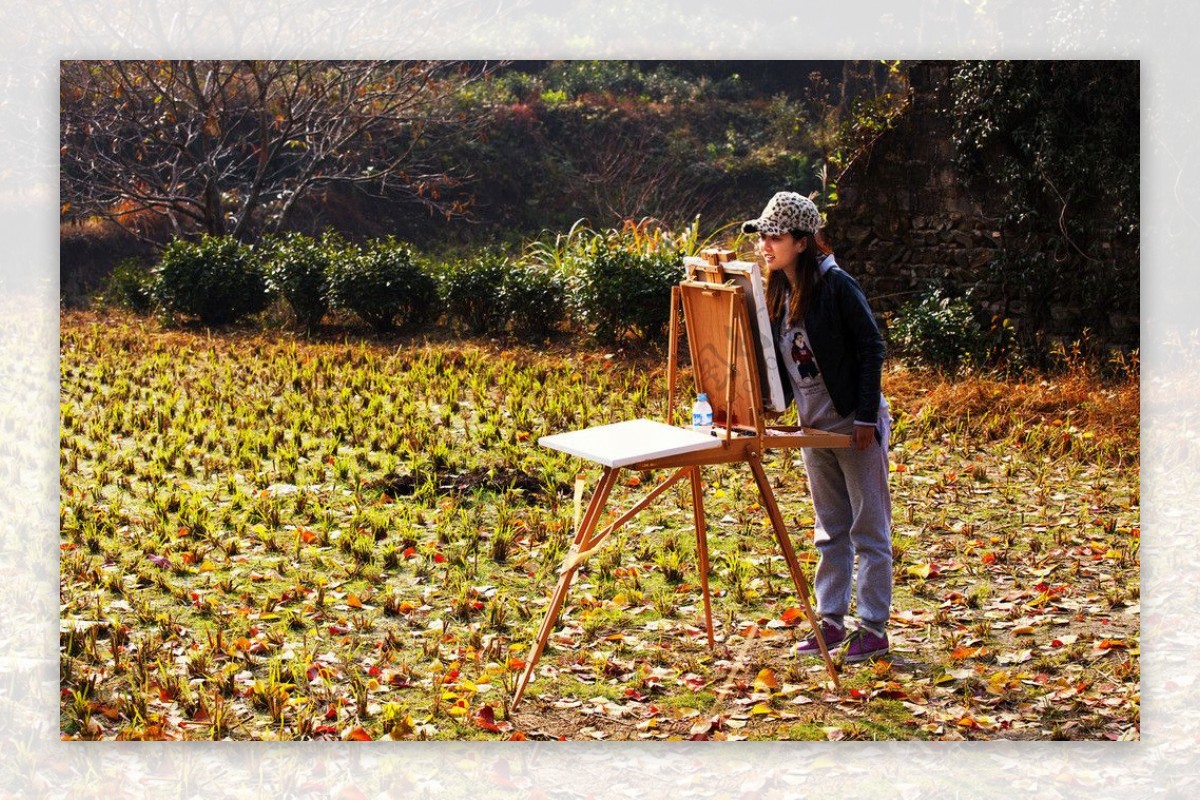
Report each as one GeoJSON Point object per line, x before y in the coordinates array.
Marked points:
{"type": "Point", "coordinates": [702, 396]}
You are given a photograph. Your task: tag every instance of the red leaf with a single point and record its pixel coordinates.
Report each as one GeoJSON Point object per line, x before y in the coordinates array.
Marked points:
{"type": "Point", "coordinates": [485, 719]}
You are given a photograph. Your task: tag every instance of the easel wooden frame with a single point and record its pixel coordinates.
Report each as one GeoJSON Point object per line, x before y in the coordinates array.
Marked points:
{"type": "Point", "coordinates": [735, 394]}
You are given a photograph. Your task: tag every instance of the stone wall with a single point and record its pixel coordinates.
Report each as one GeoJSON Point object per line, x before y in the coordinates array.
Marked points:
{"type": "Point", "coordinates": [906, 220]}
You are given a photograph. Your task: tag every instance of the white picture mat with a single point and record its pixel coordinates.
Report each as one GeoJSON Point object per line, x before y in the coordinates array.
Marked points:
{"type": "Point", "coordinates": [630, 441]}
{"type": "Point", "coordinates": [748, 275]}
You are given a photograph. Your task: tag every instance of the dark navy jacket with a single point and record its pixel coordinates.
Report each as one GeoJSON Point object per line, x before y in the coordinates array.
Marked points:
{"type": "Point", "coordinates": [845, 341]}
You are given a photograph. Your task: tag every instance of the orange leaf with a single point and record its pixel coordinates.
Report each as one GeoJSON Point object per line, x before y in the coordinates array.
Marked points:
{"type": "Point", "coordinates": [353, 602]}
{"type": "Point", "coordinates": [964, 652]}
{"type": "Point", "coordinates": [766, 680]}
{"type": "Point", "coordinates": [356, 733]}
{"type": "Point", "coordinates": [792, 616]}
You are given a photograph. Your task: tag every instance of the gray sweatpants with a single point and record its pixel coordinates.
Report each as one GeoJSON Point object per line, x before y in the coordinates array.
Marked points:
{"type": "Point", "coordinates": [854, 517]}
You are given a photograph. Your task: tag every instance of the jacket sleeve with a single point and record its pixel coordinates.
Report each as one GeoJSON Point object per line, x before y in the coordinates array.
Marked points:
{"type": "Point", "coordinates": [868, 346]}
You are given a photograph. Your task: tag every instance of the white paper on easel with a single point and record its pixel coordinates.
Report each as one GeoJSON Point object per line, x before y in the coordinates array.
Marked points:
{"type": "Point", "coordinates": [748, 275]}
{"type": "Point", "coordinates": [620, 444]}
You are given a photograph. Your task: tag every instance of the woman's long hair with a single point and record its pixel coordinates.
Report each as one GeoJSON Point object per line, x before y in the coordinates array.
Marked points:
{"type": "Point", "coordinates": [780, 297]}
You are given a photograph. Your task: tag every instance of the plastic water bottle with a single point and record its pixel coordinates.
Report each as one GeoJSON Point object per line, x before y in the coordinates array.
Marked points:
{"type": "Point", "coordinates": [702, 413]}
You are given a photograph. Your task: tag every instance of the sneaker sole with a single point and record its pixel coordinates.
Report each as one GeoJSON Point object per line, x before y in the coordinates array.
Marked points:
{"type": "Point", "coordinates": [830, 646]}
{"type": "Point", "coordinates": [866, 656]}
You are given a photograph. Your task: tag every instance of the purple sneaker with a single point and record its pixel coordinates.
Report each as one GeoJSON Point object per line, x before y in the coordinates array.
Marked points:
{"type": "Point", "coordinates": [864, 645]}
{"type": "Point", "coordinates": [832, 634]}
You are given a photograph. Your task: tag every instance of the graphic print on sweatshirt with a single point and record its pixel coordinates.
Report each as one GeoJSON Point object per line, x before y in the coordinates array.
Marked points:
{"type": "Point", "coordinates": [813, 403]}
{"type": "Point", "coordinates": [803, 357]}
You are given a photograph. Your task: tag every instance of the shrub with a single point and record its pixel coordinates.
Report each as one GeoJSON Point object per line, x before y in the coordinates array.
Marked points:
{"type": "Point", "coordinates": [938, 330]}
{"type": "Point", "coordinates": [620, 291]}
{"type": "Point", "coordinates": [535, 300]}
{"type": "Point", "coordinates": [384, 286]}
{"type": "Point", "coordinates": [298, 268]}
{"type": "Point", "coordinates": [216, 279]}
{"type": "Point", "coordinates": [472, 291]}
{"type": "Point", "coordinates": [129, 286]}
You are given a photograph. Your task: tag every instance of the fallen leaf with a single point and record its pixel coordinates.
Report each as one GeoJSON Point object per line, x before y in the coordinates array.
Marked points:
{"type": "Point", "coordinates": [792, 616]}
{"type": "Point", "coordinates": [924, 570]}
{"type": "Point", "coordinates": [485, 719]}
{"type": "Point", "coordinates": [1014, 657]}
{"type": "Point", "coordinates": [765, 680]}
{"type": "Point", "coordinates": [356, 733]}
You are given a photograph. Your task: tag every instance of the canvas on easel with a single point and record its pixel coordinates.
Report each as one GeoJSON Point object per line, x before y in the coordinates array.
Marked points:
{"type": "Point", "coordinates": [748, 276]}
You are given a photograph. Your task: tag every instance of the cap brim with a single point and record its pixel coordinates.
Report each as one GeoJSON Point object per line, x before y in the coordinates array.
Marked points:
{"type": "Point", "coordinates": [750, 227]}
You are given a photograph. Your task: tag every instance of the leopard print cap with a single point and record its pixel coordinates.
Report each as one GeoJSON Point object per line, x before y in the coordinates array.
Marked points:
{"type": "Point", "coordinates": [787, 211]}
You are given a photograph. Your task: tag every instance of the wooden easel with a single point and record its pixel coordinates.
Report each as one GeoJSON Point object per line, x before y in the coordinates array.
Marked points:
{"type": "Point", "coordinates": [719, 336]}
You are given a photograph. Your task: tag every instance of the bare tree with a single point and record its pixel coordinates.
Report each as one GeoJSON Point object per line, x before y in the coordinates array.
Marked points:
{"type": "Point", "coordinates": [626, 170]}
{"type": "Point", "coordinates": [232, 146]}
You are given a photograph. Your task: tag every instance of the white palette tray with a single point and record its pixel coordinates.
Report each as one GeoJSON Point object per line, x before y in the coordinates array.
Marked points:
{"type": "Point", "coordinates": [620, 444]}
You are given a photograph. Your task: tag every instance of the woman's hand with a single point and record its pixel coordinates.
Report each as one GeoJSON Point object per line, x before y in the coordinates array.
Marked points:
{"type": "Point", "coordinates": [864, 437]}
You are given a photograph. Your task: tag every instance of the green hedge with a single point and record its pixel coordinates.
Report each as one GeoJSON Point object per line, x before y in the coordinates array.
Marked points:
{"type": "Point", "coordinates": [384, 285]}
{"type": "Point", "coordinates": [613, 285]}
{"type": "Point", "coordinates": [535, 300]}
{"type": "Point", "coordinates": [216, 279]}
{"type": "Point", "coordinates": [472, 292]}
{"type": "Point", "coordinates": [298, 267]}
{"type": "Point", "coordinates": [619, 292]}
{"type": "Point", "coordinates": [129, 286]}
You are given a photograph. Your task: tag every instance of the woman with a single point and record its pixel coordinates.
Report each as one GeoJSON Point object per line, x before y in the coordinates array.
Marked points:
{"type": "Point", "coordinates": [830, 354]}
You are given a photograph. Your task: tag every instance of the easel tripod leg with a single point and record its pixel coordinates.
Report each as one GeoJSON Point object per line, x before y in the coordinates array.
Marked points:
{"type": "Point", "coordinates": [535, 652]}
{"type": "Point", "coordinates": [789, 555]}
{"type": "Point", "coordinates": [702, 549]}
{"type": "Point", "coordinates": [587, 525]}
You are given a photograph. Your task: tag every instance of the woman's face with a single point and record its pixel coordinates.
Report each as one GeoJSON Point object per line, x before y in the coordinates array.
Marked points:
{"type": "Point", "coordinates": [780, 251]}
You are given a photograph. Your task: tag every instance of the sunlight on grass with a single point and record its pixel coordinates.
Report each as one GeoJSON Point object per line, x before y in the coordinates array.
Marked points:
{"type": "Point", "coordinates": [274, 538]}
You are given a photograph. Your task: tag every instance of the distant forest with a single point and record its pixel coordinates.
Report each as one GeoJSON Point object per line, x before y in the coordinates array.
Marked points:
{"type": "Point", "coordinates": [493, 153]}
